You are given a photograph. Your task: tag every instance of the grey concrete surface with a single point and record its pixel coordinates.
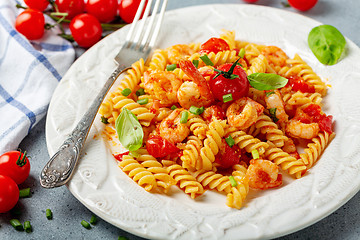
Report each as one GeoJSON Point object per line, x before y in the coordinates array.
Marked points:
{"type": "Point", "coordinates": [68, 212]}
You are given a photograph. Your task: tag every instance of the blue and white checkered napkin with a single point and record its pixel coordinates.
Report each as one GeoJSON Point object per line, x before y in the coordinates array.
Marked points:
{"type": "Point", "coordinates": [29, 73]}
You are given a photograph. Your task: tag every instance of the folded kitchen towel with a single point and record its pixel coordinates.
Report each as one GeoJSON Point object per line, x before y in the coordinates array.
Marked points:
{"type": "Point", "coordinates": [29, 74]}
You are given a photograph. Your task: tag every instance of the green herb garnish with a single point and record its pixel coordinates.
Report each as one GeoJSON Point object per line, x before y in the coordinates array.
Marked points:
{"type": "Point", "coordinates": [266, 81]}
{"type": "Point", "coordinates": [206, 60]}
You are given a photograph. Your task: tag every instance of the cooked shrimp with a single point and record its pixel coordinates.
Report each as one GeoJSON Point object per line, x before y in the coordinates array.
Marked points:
{"type": "Point", "coordinates": [290, 148]}
{"type": "Point", "coordinates": [171, 129]}
{"type": "Point", "coordinates": [298, 129]}
{"type": "Point", "coordinates": [243, 112]}
{"type": "Point", "coordinates": [275, 55]}
{"type": "Point", "coordinates": [214, 112]}
{"type": "Point", "coordinates": [263, 174]}
{"type": "Point", "coordinates": [274, 101]}
{"type": "Point", "coordinates": [163, 86]}
{"type": "Point", "coordinates": [177, 52]}
{"type": "Point", "coordinates": [205, 95]}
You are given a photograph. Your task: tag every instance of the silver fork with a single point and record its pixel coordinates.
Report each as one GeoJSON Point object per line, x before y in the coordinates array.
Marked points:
{"type": "Point", "coordinates": [138, 44]}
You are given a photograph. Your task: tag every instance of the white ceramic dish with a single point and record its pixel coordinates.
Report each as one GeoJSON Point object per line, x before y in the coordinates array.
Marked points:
{"type": "Point", "coordinates": [102, 187]}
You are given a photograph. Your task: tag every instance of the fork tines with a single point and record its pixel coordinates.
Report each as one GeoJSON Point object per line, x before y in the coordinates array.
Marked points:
{"type": "Point", "coordinates": [143, 40]}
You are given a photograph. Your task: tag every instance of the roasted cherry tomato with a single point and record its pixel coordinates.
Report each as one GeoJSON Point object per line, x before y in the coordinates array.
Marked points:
{"type": "Point", "coordinates": [104, 10]}
{"type": "Point", "coordinates": [9, 193]}
{"type": "Point", "coordinates": [298, 84]}
{"type": "Point", "coordinates": [160, 147]}
{"type": "Point", "coordinates": [128, 8]}
{"type": "Point", "coordinates": [315, 114]}
{"type": "Point", "coordinates": [71, 7]}
{"type": "Point", "coordinates": [40, 5]}
{"type": "Point", "coordinates": [30, 23]}
{"type": "Point", "coordinates": [85, 29]}
{"type": "Point", "coordinates": [302, 5]}
{"type": "Point", "coordinates": [214, 45]}
{"type": "Point", "coordinates": [16, 165]}
{"type": "Point", "coordinates": [230, 81]}
{"type": "Point", "coordinates": [228, 156]}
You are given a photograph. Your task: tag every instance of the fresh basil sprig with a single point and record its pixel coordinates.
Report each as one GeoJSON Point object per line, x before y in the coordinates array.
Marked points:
{"type": "Point", "coordinates": [129, 130]}
{"type": "Point", "coordinates": [266, 81]}
{"type": "Point", "coordinates": [327, 44]}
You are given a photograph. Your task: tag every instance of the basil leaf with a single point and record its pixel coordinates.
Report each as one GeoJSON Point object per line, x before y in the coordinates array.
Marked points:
{"type": "Point", "coordinates": [266, 81]}
{"type": "Point", "coordinates": [129, 130]}
{"type": "Point", "coordinates": [327, 44]}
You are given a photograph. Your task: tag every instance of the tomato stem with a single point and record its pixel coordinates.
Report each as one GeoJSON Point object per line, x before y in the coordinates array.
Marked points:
{"type": "Point", "coordinates": [22, 159]}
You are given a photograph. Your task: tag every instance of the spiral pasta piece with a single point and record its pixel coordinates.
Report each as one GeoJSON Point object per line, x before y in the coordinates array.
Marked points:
{"type": "Point", "coordinates": [212, 144]}
{"type": "Point", "coordinates": [138, 173]}
{"type": "Point", "coordinates": [217, 59]}
{"type": "Point", "coordinates": [197, 126]}
{"type": "Point", "coordinates": [236, 197]}
{"type": "Point", "coordinates": [245, 141]}
{"type": "Point", "coordinates": [213, 180]}
{"type": "Point", "coordinates": [133, 76]}
{"type": "Point", "coordinates": [302, 100]}
{"type": "Point", "coordinates": [229, 37]}
{"type": "Point", "coordinates": [184, 179]}
{"type": "Point", "coordinates": [271, 130]}
{"type": "Point", "coordinates": [316, 148]}
{"type": "Point", "coordinates": [258, 65]}
{"type": "Point", "coordinates": [191, 154]}
{"type": "Point", "coordinates": [309, 76]}
{"type": "Point", "coordinates": [295, 167]}
{"type": "Point", "coordinates": [142, 113]}
{"type": "Point", "coordinates": [163, 179]}
{"type": "Point", "coordinates": [158, 60]}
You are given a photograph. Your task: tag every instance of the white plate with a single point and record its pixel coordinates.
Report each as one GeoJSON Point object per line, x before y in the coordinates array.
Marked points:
{"type": "Point", "coordinates": [102, 187]}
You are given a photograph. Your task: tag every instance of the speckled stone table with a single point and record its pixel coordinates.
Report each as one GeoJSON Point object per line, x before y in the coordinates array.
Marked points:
{"type": "Point", "coordinates": [68, 212]}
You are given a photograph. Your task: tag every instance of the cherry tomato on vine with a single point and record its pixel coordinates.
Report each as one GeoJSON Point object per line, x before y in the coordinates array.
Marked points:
{"type": "Point", "coordinates": [302, 5]}
{"type": "Point", "coordinates": [9, 193]}
{"type": "Point", "coordinates": [30, 23]}
{"type": "Point", "coordinates": [71, 7]}
{"type": "Point", "coordinates": [16, 165]}
{"type": "Point", "coordinates": [214, 45]}
{"type": "Point", "coordinates": [85, 29]}
{"type": "Point", "coordinates": [40, 5]}
{"type": "Point", "coordinates": [229, 82]}
{"type": "Point", "coordinates": [128, 8]}
{"type": "Point", "coordinates": [160, 147]}
{"type": "Point", "coordinates": [104, 10]}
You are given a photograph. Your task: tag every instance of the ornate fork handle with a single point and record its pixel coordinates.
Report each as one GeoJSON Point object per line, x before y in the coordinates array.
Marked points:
{"type": "Point", "coordinates": [60, 167]}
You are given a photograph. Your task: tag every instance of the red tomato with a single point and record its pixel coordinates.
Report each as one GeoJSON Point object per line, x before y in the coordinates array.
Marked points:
{"type": "Point", "coordinates": [221, 85]}
{"type": "Point", "coordinates": [15, 165]}
{"type": "Point", "coordinates": [302, 5]}
{"type": "Point", "coordinates": [214, 45]}
{"type": "Point", "coordinates": [228, 156]}
{"type": "Point", "coordinates": [160, 147]}
{"type": "Point", "coordinates": [85, 29]}
{"type": "Point", "coordinates": [71, 7]}
{"type": "Point", "coordinates": [298, 84]}
{"type": "Point", "coordinates": [40, 5]}
{"type": "Point", "coordinates": [30, 23]}
{"type": "Point", "coordinates": [104, 10]}
{"type": "Point", "coordinates": [315, 113]}
{"type": "Point", "coordinates": [325, 124]}
{"type": "Point", "coordinates": [9, 193]}
{"type": "Point", "coordinates": [128, 8]}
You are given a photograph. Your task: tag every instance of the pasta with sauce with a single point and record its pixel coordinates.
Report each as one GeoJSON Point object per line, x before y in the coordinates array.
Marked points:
{"type": "Point", "coordinates": [206, 126]}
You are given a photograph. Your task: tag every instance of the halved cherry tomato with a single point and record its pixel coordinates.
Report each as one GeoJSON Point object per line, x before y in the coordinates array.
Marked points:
{"type": "Point", "coordinates": [16, 165]}
{"type": "Point", "coordinates": [228, 156]}
{"type": "Point", "coordinates": [221, 85]}
{"type": "Point", "coordinates": [85, 29]}
{"type": "Point", "coordinates": [160, 147]}
{"type": "Point", "coordinates": [40, 5]}
{"type": "Point", "coordinates": [30, 23]}
{"type": "Point", "coordinates": [302, 5]}
{"type": "Point", "coordinates": [298, 84]}
{"type": "Point", "coordinates": [214, 45]}
{"type": "Point", "coordinates": [104, 10]}
{"type": "Point", "coordinates": [9, 193]}
{"type": "Point", "coordinates": [128, 8]}
{"type": "Point", "coordinates": [71, 7]}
